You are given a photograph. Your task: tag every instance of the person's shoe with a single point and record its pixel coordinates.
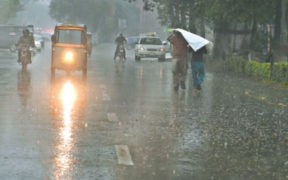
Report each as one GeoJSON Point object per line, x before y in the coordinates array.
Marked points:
{"type": "Point", "coordinates": [183, 85]}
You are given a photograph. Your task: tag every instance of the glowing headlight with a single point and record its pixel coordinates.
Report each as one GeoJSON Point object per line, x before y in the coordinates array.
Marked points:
{"type": "Point", "coordinates": [69, 57]}
{"type": "Point", "coordinates": [141, 49]}
{"type": "Point", "coordinates": [162, 49]}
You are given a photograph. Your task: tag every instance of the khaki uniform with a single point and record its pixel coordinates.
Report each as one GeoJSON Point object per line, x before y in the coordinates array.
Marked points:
{"type": "Point", "coordinates": [180, 66]}
{"type": "Point", "coordinates": [23, 42]}
{"type": "Point", "coordinates": [180, 61]}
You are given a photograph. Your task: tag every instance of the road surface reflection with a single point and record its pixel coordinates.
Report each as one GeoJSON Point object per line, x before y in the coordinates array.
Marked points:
{"type": "Point", "coordinates": [67, 103]}
{"type": "Point", "coordinates": [24, 86]}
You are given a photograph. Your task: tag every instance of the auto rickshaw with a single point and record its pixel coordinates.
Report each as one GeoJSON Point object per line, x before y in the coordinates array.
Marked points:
{"type": "Point", "coordinates": [89, 43]}
{"type": "Point", "coordinates": [69, 48]}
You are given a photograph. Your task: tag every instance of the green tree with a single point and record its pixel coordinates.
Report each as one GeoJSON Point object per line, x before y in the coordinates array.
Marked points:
{"type": "Point", "coordinates": [227, 18]}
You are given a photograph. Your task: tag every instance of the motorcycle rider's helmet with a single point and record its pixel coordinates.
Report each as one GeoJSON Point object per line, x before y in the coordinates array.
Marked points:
{"type": "Point", "coordinates": [26, 32]}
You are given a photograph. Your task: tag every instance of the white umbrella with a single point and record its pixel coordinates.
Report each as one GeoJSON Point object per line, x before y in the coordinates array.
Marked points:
{"type": "Point", "coordinates": [195, 42]}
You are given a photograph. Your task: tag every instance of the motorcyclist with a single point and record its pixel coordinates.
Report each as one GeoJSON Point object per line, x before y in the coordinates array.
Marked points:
{"type": "Point", "coordinates": [25, 40]}
{"type": "Point", "coordinates": [120, 40]}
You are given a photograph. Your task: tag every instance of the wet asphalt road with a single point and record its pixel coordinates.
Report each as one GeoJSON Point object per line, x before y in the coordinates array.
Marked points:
{"type": "Point", "coordinates": [69, 128]}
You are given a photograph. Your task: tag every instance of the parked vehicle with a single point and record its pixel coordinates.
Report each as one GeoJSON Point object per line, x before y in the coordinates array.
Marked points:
{"type": "Point", "coordinates": [9, 35]}
{"type": "Point", "coordinates": [149, 47]}
{"type": "Point", "coordinates": [69, 48]}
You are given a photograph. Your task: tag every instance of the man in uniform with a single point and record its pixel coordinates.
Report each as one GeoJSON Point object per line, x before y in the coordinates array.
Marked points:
{"type": "Point", "coordinates": [24, 41]}
{"type": "Point", "coordinates": [180, 62]}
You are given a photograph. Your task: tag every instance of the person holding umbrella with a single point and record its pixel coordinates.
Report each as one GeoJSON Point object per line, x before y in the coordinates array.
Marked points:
{"type": "Point", "coordinates": [180, 63]}
{"type": "Point", "coordinates": [197, 44]}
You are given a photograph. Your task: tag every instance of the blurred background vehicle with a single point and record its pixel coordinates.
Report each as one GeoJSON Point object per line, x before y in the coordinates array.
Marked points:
{"type": "Point", "coordinates": [132, 41]}
{"type": "Point", "coordinates": [149, 47]}
{"type": "Point", "coordinates": [168, 50]}
{"type": "Point", "coordinates": [47, 33]}
{"type": "Point", "coordinates": [167, 46]}
{"type": "Point", "coordinates": [9, 35]}
{"type": "Point", "coordinates": [39, 42]}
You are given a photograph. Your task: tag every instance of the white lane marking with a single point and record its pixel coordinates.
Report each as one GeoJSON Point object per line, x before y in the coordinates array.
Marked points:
{"type": "Point", "coordinates": [123, 155]}
{"type": "Point", "coordinates": [106, 97]}
{"type": "Point", "coordinates": [112, 117]}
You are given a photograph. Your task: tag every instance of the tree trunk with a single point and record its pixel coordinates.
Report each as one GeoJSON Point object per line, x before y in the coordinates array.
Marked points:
{"type": "Point", "coordinates": [177, 16]}
{"type": "Point", "coordinates": [253, 33]}
{"type": "Point", "coordinates": [277, 34]}
{"type": "Point", "coordinates": [202, 28]}
{"type": "Point", "coordinates": [222, 41]}
{"type": "Point", "coordinates": [183, 15]}
{"type": "Point", "coordinates": [192, 27]}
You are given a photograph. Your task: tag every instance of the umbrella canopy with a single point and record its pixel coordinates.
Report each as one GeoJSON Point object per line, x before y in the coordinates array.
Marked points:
{"type": "Point", "coordinates": [195, 42]}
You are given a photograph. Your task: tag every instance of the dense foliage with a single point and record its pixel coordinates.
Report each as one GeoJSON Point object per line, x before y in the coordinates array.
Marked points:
{"type": "Point", "coordinates": [228, 19]}
{"type": "Point", "coordinates": [257, 69]}
{"type": "Point", "coordinates": [101, 16]}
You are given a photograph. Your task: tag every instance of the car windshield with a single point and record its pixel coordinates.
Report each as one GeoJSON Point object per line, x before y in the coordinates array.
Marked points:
{"type": "Point", "coordinates": [37, 37]}
{"type": "Point", "coordinates": [153, 41]}
{"type": "Point", "coordinates": [70, 36]}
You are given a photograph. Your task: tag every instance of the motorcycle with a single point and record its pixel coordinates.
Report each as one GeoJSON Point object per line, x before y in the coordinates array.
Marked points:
{"type": "Point", "coordinates": [121, 53]}
{"type": "Point", "coordinates": [25, 56]}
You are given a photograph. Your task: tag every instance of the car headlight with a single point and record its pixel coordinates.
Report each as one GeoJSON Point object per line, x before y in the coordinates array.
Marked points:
{"type": "Point", "coordinates": [141, 48]}
{"type": "Point", "coordinates": [162, 49]}
{"type": "Point", "coordinates": [69, 57]}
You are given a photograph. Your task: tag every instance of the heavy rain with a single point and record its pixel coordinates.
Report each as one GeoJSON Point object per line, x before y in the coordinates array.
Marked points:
{"type": "Point", "coordinates": [143, 89]}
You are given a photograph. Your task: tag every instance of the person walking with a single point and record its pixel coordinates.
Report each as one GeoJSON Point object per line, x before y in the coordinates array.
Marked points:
{"type": "Point", "coordinates": [180, 62]}
{"type": "Point", "coordinates": [197, 65]}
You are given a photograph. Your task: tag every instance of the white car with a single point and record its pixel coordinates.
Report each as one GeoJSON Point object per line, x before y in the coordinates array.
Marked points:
{"type": "Point", "coordinates": [149, 47]}
{"type": "Point", "coordinates": [39, 42]}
